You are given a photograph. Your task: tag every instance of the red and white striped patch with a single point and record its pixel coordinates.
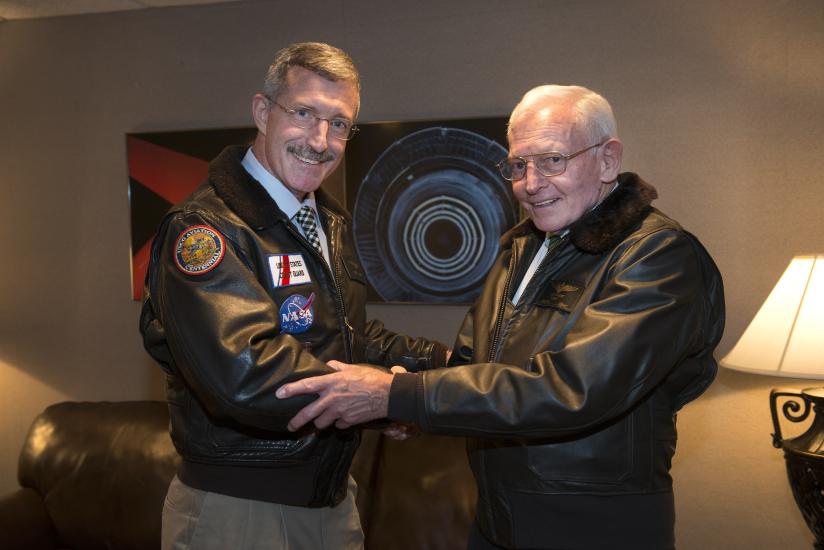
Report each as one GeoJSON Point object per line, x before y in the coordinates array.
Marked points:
{"type": "Point", "coordinates": [288, 270]}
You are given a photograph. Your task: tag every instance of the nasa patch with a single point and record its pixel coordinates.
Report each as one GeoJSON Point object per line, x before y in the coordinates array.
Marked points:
{"type": "Point", "coordinates": [199, 250]}
{"type": "Point", "coordinates": [288, 270]}
{"type": "Point", "coordinates": [297, 314]}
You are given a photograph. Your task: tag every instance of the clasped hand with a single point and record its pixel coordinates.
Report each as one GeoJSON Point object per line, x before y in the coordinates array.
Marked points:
{"type": "Point", "coordinates": [352, 395]}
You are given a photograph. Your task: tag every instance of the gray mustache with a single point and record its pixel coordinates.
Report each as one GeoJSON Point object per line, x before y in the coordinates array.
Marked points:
{"type": "Point", "coordinates": [309, 153]}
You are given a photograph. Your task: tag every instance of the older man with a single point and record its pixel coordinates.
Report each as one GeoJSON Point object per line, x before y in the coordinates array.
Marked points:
{"type": "Point", "coordinates": [596, 324]}
{"type": "Point", "coordinates": [253, 282]}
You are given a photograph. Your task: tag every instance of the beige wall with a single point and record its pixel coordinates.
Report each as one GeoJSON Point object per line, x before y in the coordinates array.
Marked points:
{"type": "Point", "coordinates": [719, 103]}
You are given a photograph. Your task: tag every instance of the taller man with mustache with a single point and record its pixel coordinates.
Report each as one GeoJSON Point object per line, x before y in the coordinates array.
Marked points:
{"type": "Point", "coordinates": [254, 283]}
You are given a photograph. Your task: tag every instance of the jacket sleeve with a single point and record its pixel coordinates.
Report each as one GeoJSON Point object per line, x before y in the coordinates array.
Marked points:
{"type": "Point", "coordinates": [649, 316]}
{"type": "Point", "coordinates": [221, 332]}
{"type": "Point", "coordinates": [386, 348]}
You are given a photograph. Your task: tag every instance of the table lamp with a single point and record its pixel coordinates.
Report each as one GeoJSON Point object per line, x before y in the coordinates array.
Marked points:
{"type": "Point", "coordinates": [786, 338]}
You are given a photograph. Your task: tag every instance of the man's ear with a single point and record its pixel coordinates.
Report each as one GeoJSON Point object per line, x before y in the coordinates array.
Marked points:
{"type": "Point", "coordinates": [260, 112]}
{"type": "Point", "coordinates": [612, 153]}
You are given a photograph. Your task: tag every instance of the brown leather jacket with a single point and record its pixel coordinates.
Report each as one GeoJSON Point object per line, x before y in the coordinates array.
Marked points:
{"type": "Point", "coordinates": [570, 396]}
{"type": "Point", "coordinates": [230, 327]}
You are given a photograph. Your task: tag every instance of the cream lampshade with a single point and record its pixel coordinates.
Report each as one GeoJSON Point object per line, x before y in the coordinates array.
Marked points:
{"type": "Point", "coordinates": [786, 337]}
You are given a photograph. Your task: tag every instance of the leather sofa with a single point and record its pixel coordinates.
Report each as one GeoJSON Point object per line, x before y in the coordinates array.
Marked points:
{"type": "Point", "coordinates": [94, 475]}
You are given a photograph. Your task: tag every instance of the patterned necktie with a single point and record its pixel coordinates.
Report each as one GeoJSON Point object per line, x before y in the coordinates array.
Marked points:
{"type": "Point", "coordinates": [551, 239]}
{"type": "Point", "coordinates": [306, 219]}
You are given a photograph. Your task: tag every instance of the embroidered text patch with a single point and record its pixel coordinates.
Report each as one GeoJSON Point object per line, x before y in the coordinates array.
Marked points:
{"type": "Point", "coordinates": [199, 249]}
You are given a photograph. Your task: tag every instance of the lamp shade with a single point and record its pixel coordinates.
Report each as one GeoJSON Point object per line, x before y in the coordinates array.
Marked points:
{"type": "Point", "coordinates": [786, 337]}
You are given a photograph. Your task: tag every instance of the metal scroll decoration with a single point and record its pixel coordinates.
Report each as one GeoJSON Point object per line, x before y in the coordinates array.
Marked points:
{"type": "Point", "coordinates": [428, 215]}
{"type": "Point", "coordinates": [804, 455]}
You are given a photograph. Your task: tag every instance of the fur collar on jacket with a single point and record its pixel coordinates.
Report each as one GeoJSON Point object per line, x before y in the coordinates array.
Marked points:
{"type": "Point", "coordinates": [247, 198]}
{"type": "Point", "coordinates": [597, 231]}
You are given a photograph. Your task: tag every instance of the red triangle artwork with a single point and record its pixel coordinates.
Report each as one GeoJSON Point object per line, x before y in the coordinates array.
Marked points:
{"type": "Point", "coordinates": [164, 168]}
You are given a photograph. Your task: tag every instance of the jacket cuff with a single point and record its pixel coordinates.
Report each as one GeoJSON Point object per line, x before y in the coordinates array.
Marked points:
{"type": "Point", "coordinates": [403, 397]}
{"type": "Point", "coordinates": [438, 358]}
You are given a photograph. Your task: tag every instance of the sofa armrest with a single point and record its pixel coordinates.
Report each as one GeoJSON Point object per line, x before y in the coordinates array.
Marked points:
{"type": "Point", "coordinates": [24, 522]}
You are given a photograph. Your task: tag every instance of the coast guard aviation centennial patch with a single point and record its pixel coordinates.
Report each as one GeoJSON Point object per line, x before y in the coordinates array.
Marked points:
{"type": "Point", "coordinates": [297, 314]}
{"type": "Point", "coordinates": [199, 250]}
{"type": "Point", "coordinates": [288, 270]}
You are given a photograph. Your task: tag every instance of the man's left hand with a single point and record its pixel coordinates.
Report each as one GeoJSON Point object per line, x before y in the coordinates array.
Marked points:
{"type": "Point", "coordinates": [353, 395]}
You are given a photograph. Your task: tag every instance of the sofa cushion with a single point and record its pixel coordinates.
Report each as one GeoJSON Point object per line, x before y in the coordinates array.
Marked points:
{"type": "Point", "coordinates": [102, 470]}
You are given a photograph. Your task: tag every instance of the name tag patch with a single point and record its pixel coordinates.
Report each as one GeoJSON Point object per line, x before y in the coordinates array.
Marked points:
{"type": "Point", "coordinates": [297, 314]}
{"type": "Point", "coordinates": [288, 270]}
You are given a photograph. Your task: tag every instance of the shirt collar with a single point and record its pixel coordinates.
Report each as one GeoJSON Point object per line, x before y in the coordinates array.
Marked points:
{"type": "Point", "coordinates": [284, 198]}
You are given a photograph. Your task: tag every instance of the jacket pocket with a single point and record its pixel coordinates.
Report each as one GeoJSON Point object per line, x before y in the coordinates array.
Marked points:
{"type": "Point", "coordinates": [259, 444]}
{"type": "Point", "coordinates": [604, 456]}
{"type": "Point", "coordinates": [353, 268]}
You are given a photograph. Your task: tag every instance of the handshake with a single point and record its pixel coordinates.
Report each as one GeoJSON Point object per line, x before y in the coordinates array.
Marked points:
{"type": "Point", "coordinates": [353, 395]}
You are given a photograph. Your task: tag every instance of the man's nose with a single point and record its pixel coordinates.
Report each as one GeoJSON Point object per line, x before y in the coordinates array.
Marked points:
{"type": "Point", "coordinates": [534, 180]}
{"type": "Point", "coordinates": [317, 139]}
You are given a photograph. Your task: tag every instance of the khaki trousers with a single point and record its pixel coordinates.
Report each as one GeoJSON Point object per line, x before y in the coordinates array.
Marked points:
{"type": "Point", "coordinates": [200, 520]}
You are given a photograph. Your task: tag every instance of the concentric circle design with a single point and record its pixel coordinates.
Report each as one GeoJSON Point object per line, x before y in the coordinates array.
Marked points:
{"type": "Point", "coordinates": [467, 236]}
{"type": "Point", "coordinates": [429, 213]}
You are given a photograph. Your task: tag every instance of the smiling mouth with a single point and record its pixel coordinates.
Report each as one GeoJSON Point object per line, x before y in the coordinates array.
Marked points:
{"type": "Point", "coordinates": [544, 203]}
{"type": "Point", "coordinates": [308, 156]}
{"type": "Point", "coordinates": [307, 160]}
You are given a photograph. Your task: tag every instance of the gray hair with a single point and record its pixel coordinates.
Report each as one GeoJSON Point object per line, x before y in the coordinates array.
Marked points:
{"type": "Point", "coordinates": [324, 60]}
{"type": "Point", "coordinates": [593, 114]}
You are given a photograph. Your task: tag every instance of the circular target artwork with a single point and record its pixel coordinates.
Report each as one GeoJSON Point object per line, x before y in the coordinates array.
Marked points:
{"type": "Point", "coordinates": [428, 215]}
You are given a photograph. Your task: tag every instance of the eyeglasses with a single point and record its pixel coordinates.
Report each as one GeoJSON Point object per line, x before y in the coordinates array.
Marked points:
{"type": "Point", "coordinates": [551, 163]}
{"type": "Point", "coordinates": [303, 117]}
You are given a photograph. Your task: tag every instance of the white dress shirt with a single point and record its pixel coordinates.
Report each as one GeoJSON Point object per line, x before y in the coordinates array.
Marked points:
{"type": "Point", "coordinates": [533, 267]}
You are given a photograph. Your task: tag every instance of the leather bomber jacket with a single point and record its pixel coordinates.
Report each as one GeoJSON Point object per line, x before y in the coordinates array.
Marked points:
{"type": "Point", "coordinates": [571, 395]}
{"type": "Point", "coordinates": [220, 339]}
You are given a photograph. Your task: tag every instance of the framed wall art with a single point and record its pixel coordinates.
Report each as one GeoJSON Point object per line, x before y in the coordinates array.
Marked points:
{"type": "Point", "coordinates": [428, 206]}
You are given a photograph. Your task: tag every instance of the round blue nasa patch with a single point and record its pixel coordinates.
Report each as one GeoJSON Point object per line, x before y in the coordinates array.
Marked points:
{"type": "Point", "coordinates": [296, 314]}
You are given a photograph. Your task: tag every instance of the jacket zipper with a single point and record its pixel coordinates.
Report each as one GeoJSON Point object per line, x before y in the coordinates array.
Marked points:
{"type": "Point", "coordinates": [347, 328]}
{"type": "Point", "coordinates": [499, 320]}
{"type": "Point", "coordinates": [350, 332]}
{"type": "Point", "coordinates": [496, 340]}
